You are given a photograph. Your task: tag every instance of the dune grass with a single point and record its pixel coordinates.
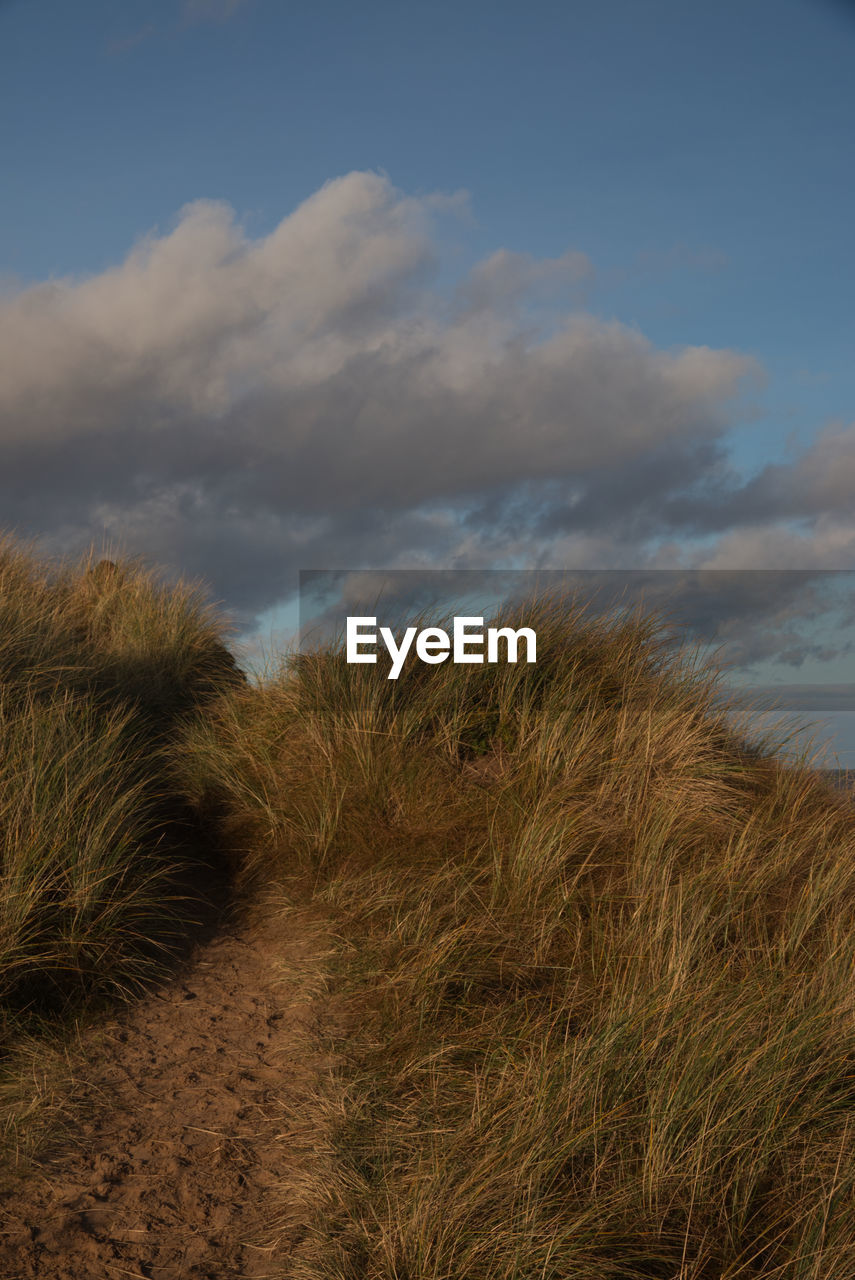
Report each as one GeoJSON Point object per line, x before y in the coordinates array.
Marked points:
{"type": "Point", "coordinates": [599, 951]}
{"type": "Point", "coordinates": [596, 949]}
{"type": "Point", "coordinates": [99, 666]}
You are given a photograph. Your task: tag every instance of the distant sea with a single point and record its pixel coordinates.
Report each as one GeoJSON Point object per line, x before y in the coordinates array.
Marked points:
{"type": "Point", "coordinates": [826, 733]}
{"type": "Point", "coordinates": [840, 779]}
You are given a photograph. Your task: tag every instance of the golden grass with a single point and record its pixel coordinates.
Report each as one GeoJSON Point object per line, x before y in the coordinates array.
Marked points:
{"type": "Point", "coordinates": [97, 673]}
{"type": "Point", "coordinates": [602, 952]}
{"type": "Point", "coordinates": [598, 949]}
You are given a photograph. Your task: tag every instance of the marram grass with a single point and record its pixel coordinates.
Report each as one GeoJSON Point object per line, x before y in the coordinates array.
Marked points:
{"type": "Point", "coordinates": [97, 672]}
{"type": "Point", "coordinates": [597, 948]}
{"type": "Point", "coordinates": [600, 956]}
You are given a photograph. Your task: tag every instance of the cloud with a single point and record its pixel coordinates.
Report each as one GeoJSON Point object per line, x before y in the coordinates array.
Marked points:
{"type": "Point", "coordinates": [210, 10]}
{"type": "Point", "coordinates": [816, 487]}
{"type": "Point", "coordinates": [190, 13]}
{"type": "Point", "coordinates": [241, 408]}
{"type": "Point", "coordinates": [655, 264]}
{"type": "Point", "coordinates": [680, 257]}
{"type": "Point", "coordinates": [123, 44]}
{"type": "Point", "coordinates": [509, 277]}
{"type": "Point", "coordinates": [746, 618]}
{"type": "Point", "coordinates": [806, 697]}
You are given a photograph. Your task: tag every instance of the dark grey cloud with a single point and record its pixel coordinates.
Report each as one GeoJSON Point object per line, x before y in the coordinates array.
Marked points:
{"type": "Point", "coordinates": [820, 698]}
{"type": "Point", "coordinates": [738, 618]}
{"type": "Point", "coordinates": [818, 485]}
{"type": "Point", "coordinates": [238, 409]}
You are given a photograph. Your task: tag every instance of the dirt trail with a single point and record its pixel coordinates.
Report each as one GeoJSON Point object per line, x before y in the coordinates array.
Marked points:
{"type": "Point", "coordinates": [202, 1106]}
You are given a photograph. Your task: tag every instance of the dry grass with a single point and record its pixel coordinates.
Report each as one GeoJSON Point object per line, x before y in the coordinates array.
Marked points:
{"type": "Point", "coordinates": [98, 671]}
{"type": "Point", "coordinates": [598, 949]}
{"type": "Point", "coordinates": [600, 952]}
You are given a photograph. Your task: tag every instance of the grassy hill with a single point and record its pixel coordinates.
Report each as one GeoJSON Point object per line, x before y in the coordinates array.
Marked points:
{"type": "Point", "coordinates": [99, 668]}
{"type": "Point", "coordinates": [596, 951]}
{"type": "Point", "coordinates": [599, 952]}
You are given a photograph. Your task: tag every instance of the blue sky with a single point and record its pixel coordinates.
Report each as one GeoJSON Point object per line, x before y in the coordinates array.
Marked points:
{"type": "Point", "coordinates": [473, 284]}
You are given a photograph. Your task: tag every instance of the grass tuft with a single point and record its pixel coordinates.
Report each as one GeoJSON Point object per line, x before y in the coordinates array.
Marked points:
{"type": "Point", "coordinates": [100, 668]}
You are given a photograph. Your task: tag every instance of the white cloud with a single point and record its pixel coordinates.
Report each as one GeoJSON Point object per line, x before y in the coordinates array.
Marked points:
{"type": "Point", "coordinates": [240, 407]}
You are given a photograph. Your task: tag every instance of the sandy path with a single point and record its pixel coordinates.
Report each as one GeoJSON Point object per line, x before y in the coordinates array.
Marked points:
{"type": "Point", "coordinates": [201, 1106]}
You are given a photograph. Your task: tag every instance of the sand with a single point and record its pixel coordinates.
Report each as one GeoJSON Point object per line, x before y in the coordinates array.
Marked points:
{"type": "Point", "coordinates": [202, 1125]}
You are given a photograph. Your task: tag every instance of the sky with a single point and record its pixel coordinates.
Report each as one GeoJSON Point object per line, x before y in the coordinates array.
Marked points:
{"type": "Point", "coordinates": [471, 285]}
